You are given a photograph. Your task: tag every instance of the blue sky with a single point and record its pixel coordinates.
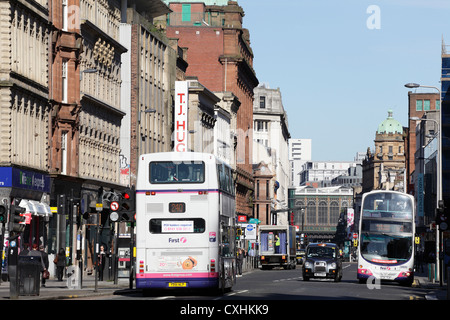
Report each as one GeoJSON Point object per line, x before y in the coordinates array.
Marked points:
{"type": "Point", "coordinates": [338, 77]}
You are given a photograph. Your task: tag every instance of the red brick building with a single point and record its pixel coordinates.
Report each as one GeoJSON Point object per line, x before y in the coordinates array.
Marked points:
{"type": "Point", "coordinates": [220, 56]}
{"type": "Point", "coordinates": [418, 105]}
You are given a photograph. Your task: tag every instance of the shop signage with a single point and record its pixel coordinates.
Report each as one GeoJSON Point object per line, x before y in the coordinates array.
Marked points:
{"type": "Point", "coordinates": [24, 179]}
{"type": "Point", "coordinates": [181, 116]}
{"type": "Point", "coordinates": [241, 218]}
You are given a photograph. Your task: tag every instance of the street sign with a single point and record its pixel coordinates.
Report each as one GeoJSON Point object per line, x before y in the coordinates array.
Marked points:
{"type": "Point", "coordinates": [114, 206]}
{"type": "Point", "coordinates": [250, 230]}
{"type": "Point", "coordinates": [355, 236]}
{"type": "Point", "coordinates": [99, 207]}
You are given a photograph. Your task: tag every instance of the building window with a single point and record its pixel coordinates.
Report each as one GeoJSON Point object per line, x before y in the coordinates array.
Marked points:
{"type": "Point", "coordinates": [257, 190]}
{"type": "Point", "coordinates": [262, 102]}
{"type": "Point", "coordinates": [64, 81]}
{"type": "Point", "coordinates": [323, 213]}
{"type": "Point", "coordinates": [65, 15]}
{"type": "Point", "coordinates": [426, 105]}
{"type": "Point", "coordinates": [334, 213]}
{"type": "Point", "coordinates": [419, 105]}
{"type": "Point", "coordinates": [311, 213]}
{"type": "Point", "coordinates": [186, 13]}
{"type": "Point", "coordinates": [261, 126]}
{"type": "Point", "coordinates": [438, 105]}
{"type": "Point", "coordinates": [64, 152]}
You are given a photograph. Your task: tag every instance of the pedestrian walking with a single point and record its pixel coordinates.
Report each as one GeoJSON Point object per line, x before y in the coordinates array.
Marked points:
{"type": "Point", "coordinates": [25, 250]}
{"type": "Point", "coordinates": [60, 261]}
{"type": "Point", "coordinates": [36, 253]}
{"type": "Point", "coordinates": [45, 261]}
{"type": "Point", "coordinates": [239, 261]}
{"type": "Point", "coordinates": [101, 262]}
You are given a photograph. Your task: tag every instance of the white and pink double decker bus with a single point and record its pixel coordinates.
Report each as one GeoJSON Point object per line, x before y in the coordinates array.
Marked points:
{"type": "Point", "coordinates": [185, 222]}
{"type": "Point", "coordinates": [386, 237]}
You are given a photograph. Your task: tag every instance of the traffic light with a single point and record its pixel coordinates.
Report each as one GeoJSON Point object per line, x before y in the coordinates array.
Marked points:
{"type": "Point", "coordinates": [442, 215]}
{"type": "Point", "coordinates": [16, 220]}
{"type": "Point", "coordinates": [127, 205]}
{"type": "Point", "coordinates": [238, 233]}
{"type": "Point", "coordinates": [3, 213]}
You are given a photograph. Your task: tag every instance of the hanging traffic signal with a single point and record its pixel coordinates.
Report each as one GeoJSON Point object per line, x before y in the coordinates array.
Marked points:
{"type": "Point", "coordinates": [3, 213]}
{"type": "Point", "coordinates": [16, 220]}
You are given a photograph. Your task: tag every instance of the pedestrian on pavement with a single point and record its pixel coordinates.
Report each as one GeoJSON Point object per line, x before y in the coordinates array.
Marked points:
{"type": "Point", "coordinates": [36, 253]}
{"type": "Point", "coordinates": [45, 260]}
{"type": "Point", "coordinates": [60, 261]}
{"type": "Point", "coordinates": [101, 262]}
{"type": "Point", "coordinates": [25, 250]}
{"type": "Point", "coordinates": [240, 260]}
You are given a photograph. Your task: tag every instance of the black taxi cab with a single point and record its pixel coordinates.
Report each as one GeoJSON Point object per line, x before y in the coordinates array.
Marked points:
{"type": "Point", "coordinates": [322, 260]}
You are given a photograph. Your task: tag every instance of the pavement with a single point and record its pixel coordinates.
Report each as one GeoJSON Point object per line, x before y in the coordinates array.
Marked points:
{"type": "Point", "coordinates": [435, 290]}
{"type": "Point", "coordinates": [60, 290]}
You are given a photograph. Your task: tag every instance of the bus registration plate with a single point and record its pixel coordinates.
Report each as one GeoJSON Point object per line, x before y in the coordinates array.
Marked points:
{"type": "Point", "coordinates": [177, 284]}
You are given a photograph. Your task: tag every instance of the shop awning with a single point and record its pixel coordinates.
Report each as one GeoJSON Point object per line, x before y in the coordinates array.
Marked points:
{"type": "Point", "coordinates": [36, 208]}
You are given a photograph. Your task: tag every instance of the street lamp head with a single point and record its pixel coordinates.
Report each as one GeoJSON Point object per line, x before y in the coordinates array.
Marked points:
{"type": "Point", "coordinates": [412, 85]}
{"type": "Point", "coordinates": [92, 70]}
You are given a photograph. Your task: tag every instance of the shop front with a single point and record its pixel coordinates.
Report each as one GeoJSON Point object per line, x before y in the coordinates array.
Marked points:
{"type": "Point", "coordinates": [30, 190]}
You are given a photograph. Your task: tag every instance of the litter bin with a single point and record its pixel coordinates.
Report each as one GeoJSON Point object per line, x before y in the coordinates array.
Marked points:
{"type": "Point", "coordinates": [29, 275]}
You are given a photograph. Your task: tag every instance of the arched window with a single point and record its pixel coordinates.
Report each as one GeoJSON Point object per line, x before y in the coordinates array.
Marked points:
{"type": "Point", "coordinates": [334, 213]}
{"type": "Point", "coordinates": [298, 214]}
{"type": "Point", "coordinates": [323, 210]}
{"type": "Point", "coordinates": [311, 213]}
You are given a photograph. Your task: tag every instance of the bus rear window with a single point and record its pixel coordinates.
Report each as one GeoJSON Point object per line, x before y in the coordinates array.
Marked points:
{"type": "Point", "coordinates": [177, 172]}
{"type": "Point", "coordinates": [188, 225]}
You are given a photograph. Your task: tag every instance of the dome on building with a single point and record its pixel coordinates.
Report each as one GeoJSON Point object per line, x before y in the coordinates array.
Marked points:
{"type": "Point", "coordinates": [390, 125]}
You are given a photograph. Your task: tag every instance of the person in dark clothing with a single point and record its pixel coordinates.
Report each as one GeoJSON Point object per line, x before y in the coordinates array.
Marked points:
{"type": "Point", "coordinates": [45, 260]}
{"type": "Point", "coordinates": [239, 261]}
{"type": "Point", "coordinates": [25, 250]}
{"type": "Point", "coordinates": [60, 262]}
{"type": "Point", "coordinates": [101, 262]}
{"type": "Point", "coordinates": [36, 253]}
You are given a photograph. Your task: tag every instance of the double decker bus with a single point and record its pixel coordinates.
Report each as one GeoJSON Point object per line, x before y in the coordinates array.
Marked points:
{"type": "Point", "coordinates": [185, 222]}
{"type": "Point", "coordinates": [386, 237]}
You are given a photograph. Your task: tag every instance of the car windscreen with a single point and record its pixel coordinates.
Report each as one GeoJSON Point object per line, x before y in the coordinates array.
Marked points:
{"type": "Point", "coordinates": [323, 252]}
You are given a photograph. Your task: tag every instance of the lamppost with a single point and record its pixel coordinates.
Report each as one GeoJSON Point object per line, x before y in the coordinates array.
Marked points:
{"type": "Point", "coordinates": [439, 174]}
{"type": "Point", "coordinates": [91, 70]}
